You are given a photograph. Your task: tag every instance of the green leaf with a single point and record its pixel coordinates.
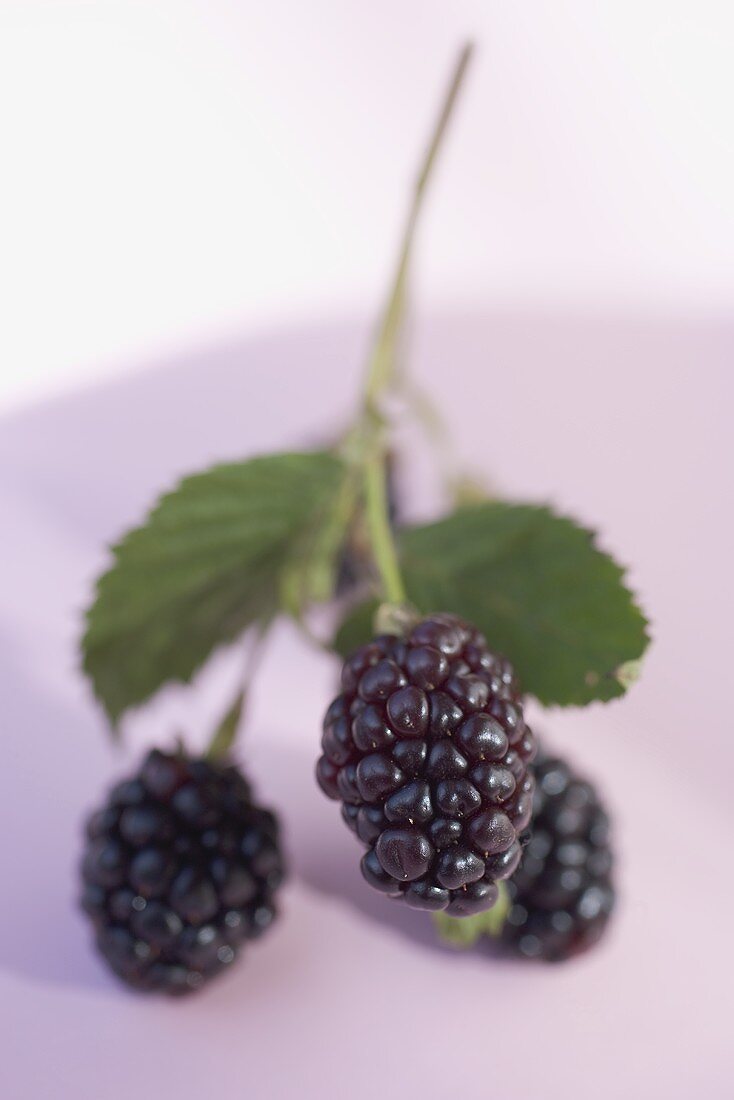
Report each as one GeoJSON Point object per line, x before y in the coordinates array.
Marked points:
{"type": "Point", "coordinates": [537, 586]}
{"type": "Point", "coordinates": [206, 564]}
{"type": "Point", "coordinates": [356, 627]}
{"type": "Point", "coordinates": [311, 577]}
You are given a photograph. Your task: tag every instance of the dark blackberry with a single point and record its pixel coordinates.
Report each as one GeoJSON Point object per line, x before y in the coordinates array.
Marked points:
{"type": "Point", "coordinates": [562, 895]}
{"type": "Point", "coordinates": [428, 751]}
{"type": "Point", "coordinates": [180, 869]}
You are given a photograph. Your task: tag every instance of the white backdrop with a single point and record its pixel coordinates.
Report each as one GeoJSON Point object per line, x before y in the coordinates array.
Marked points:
{"type": "Point", "coordinates": [179, 169]}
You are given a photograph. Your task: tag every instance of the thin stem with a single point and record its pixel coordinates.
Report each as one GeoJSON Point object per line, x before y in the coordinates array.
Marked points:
{"type": "Point", "coordinates": [430, 420]}
{"type": "Point", "coordinates": [378, 525]}
{"type": "Point", "coordinates": [381, 365]}
{"type": "Point", "coordinates": [382, 361]}
{"type": "Point", "coordinates": [461, 486]}
{"type": "Point", "coordinates": [225, 734]}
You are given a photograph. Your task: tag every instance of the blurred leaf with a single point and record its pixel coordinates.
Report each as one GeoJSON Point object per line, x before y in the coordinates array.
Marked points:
{"type": "Point", "coordinates": [206, 564]}
{"type": "Point", "coordinates": [312, 576]}
{"type": "Point", "coordinates": [356, 628]}
{"type": "Point", "coordinates": [537, 586]}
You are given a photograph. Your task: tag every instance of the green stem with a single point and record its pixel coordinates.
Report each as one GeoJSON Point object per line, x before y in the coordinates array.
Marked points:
{"type": "Point", "coordinates": [380, 530]}
{"type": "Point", "coordinates": [382, 362]}
{"type": "Point", "coordinates": [225, 734]}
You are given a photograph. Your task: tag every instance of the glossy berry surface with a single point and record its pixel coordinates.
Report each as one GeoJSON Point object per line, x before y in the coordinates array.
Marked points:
{"type": "Point", "coordinates": [427, 749]}
{"type": "Point", "coordinates": [562, 895]}
{"type": "Point", "coordinates": [180, 869]}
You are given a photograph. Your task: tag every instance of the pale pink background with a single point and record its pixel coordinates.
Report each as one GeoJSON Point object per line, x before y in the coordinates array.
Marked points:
{"type": "Point", "coordinates": [174, 169]}
{"type": "Point", "coordinates": [624, 422]}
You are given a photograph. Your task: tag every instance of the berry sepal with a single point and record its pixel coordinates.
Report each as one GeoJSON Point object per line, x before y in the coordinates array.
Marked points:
{"type": "Point", "coordinates": [465, 932]}
{"type": "Point", "coordinates": [395, 618]}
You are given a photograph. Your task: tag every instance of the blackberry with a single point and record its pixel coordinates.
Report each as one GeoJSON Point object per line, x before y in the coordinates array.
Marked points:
{"type": "Point", "coordinates": [562, 895]}
{"type": "Point", "coordinates": [179, 870]}
{"type": "Point", "coordinates": [428, 751]}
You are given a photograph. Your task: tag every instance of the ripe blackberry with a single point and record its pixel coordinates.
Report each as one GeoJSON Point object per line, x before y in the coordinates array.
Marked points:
{"type": "Point", "coordinates": [562, 895]}
{"type": "Point", "coordinates": [180, 869]}
{"type": "Point", "coordinates": [428, 751]}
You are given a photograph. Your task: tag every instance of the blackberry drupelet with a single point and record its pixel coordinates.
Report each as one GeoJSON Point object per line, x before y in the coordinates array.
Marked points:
{"type": "Point", "coordinates": [428, 751]}
{"type": "Point", "coordinates": [180, 869]}
{"type": "Point", "coordinates": [562, 895]}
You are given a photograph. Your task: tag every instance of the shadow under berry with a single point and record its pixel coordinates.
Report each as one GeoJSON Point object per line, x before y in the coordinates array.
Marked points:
{"type": "Point", "coordinates": [43, 795]}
